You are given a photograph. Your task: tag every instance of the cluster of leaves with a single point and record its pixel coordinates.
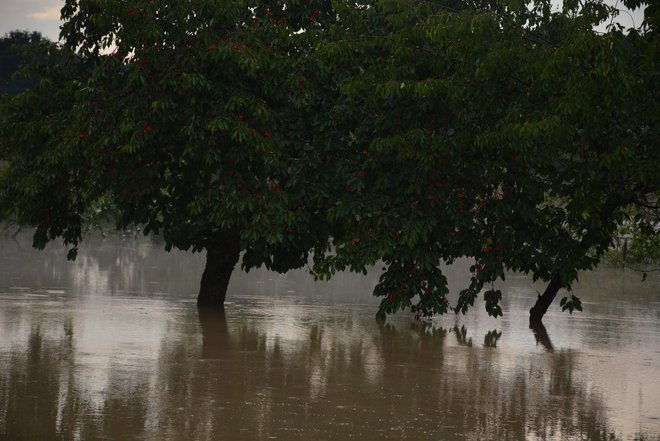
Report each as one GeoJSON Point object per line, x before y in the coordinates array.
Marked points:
{"type": "Point", "coordinates": [638, 238]}
{"type": "Point", "coordinates": [406, 133]}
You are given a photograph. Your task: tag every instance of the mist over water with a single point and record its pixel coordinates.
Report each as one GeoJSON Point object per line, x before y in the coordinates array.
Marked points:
{"type": "Point", "coordinates": [113, 347]}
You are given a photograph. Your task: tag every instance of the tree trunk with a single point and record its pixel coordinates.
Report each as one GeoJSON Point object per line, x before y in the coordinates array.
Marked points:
{"type": "Point", "coordinates": [221, 257]}
{"type": "Point", "coordinates": [543, 302]}
{"type": "Point", "coordinates": [541, 336]}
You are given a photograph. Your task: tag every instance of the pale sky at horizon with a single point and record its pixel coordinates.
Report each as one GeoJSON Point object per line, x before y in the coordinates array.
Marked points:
{"type": "Point", "coordinates": [44, 16]}
{"type": "Point", "coordinates": [31, 15]}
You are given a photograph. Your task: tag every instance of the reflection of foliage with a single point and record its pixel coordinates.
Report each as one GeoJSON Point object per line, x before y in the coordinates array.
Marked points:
{"type": "Point", "coordinates": [333, 383]}
{"type": "Point", "coordinates": [461, 336]}
{"type": "Point", "coordinates": [43, 398]}
{"type": "Point", "coordinates": [491, 338]}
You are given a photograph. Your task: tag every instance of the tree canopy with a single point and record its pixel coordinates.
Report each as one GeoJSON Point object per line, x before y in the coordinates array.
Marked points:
{"type": "Point", "coordinates": [183, 125]}
{"type": "Point", "coordinates": [394, 132]}
{"type": "Point", "coordinates": [512, 136]}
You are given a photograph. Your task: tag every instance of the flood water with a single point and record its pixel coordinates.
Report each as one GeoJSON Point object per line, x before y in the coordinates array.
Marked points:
{"type": "Point", "coordinates": [112, 347]}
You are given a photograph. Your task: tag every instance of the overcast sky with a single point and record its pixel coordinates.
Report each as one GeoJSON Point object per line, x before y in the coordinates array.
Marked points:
{"type": "Point", "coordinates": [44, 16]}
{"type": "Point", "coordinates": [31, 15]}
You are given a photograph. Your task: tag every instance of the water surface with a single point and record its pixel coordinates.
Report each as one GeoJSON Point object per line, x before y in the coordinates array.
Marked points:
{"type": "Point", "coordinates": [113, 347]}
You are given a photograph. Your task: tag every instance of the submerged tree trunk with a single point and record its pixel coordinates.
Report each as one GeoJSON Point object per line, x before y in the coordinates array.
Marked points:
{"type": "Point", "coordinates": [541, 336]}
{"type": "Point", "coordinates": [543, 302]}
{"type": "Point", "coordinates": [221, 257]}
{"type": "Point", "coordinates": [215, 333]}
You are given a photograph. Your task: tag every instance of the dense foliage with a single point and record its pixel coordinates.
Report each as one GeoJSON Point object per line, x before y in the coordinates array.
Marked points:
{"type": "Point", "coordinates": [637, 243]}
{"type": "Point", "coordinates": [515, 137]}
{"type": "Point", "coordinates": [11, 60]}
{"type": "Point", "coordinates": [183, 123]}
{"type": "Point", "coordinates": [403, 133]}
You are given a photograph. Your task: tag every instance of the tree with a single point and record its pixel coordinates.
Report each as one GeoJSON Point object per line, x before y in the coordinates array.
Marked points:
{"type": "Point", "coordinates": [180, 115]}
{"type": "Point", "coordinates": [513, 136]}
{"type": "Point", "coordinates": [10, 60]}
{"type": "Point", "coordinates": [407, 133]}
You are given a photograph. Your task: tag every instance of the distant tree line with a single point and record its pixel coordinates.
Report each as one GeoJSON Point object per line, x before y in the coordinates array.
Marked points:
{"type": "Point", "coordinates": [11, 57]}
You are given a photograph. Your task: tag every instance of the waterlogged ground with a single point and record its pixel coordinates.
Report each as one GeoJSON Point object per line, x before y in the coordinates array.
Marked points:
{"type": "Point", "coordinates": [113, 347]}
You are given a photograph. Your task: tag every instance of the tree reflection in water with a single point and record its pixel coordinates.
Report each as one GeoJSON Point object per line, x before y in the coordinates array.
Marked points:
{"type": "Point", "coordinates": [491, 338]}
{"type": "Point", "coordinates": [237, 381]}
{"type": "Point", "coordinates": [91, 365]}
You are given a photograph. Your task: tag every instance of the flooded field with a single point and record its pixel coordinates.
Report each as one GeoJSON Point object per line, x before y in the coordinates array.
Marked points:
{"type": "Point", "coordinates": [112, 347]}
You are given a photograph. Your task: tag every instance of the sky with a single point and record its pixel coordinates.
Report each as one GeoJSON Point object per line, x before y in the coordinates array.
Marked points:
{"type": "Point", "coordinates": [44, 16]}
{"type": "Point", "coordinates": [31, 15]}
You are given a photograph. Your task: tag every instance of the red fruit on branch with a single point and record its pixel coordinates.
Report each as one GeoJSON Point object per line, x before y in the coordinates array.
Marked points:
{"type": "Point", "coordinates": [274, 187]}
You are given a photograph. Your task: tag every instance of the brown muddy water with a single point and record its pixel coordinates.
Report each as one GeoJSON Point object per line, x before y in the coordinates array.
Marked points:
{"type": "Point", "coordinates": [112, 347]}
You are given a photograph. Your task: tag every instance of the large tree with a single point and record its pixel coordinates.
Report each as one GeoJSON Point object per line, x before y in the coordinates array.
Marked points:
{"type": "Point", "coordinates": [409, 133]}
{"type": "Point", "coordinates": [516, 136]}
{"type": "Point", "coordinates": [180, 115]}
